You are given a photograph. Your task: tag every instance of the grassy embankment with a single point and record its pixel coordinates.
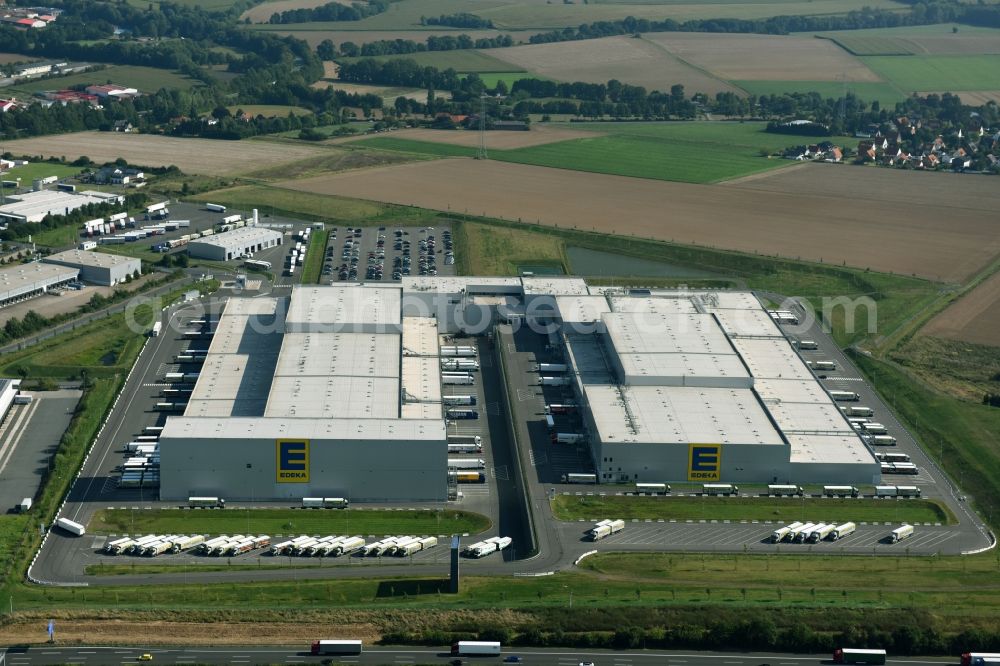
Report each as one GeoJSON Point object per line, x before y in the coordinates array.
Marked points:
{"type": "Point", "coordinates": [572, 507]}
{"type": "Point", "coordinates": [144, 79]}
{"type": "Point", "coordinates": [314, 257]}
{"type": "Point", "coordinates": [287, 521]}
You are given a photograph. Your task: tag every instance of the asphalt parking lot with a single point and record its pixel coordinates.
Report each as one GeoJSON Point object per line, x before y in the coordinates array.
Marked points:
{"type": "Point", "coordinates": [386, 253]}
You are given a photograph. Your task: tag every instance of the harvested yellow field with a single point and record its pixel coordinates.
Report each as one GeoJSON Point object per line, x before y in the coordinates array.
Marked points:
{"type": "Point", "coordinates": [764, 57]}
{"type": "Point", "coordinates": [637, 61]}
{"type": "Point", "coordinates": [196, 156]}
{"type": "Point", "coordinates": [977, 98]}
{"type": "Point", "coordinates": [834, 221]}
{"type": "Point", "coordinates": [973, 318]}
{"type": "Point", "coordinates": [387, 93]}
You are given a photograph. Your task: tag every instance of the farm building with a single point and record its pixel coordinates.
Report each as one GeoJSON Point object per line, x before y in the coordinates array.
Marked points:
{"type": "Point", "coordinates": [34, 206]}
{"type": "Point", "coordinates": [23, 281]}
{"type": "Point", "coordinates": [234, 244]}
{"type": "Point", "coordinates": [336, 391]}
{"type": "Point", "coordinates": [97, 267]}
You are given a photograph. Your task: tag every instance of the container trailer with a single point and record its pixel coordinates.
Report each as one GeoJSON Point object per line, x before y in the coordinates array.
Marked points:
{"type": "Point", "coordinates": [183, 543]}
{"type": "Point", "coordinates": [336, 647]}
{"type": "Point", "coordinates": [719, 489]}
{"type": "Point", "coordinates": [782, 533]}
{"type": "Point", "coordinates": [467, 476]}
{"type": "Point", "coordinates": [463, 379]}
{"type": "Point", "coordinates": [857, 656]}
{"type": "Point", "coordinates": [71, 526]}
{"type": "Point", "coordinates": [840, 491]}
{"type": "Point", "coordinates": [821, 533]}
{"type": "Point", "coordinates": [873, 428]}
{"type": "Point", "coordinates": [799, 533]}
{"type": "Point", "coordinates": [466, 463]}
{"type": "Point", "coordinates": [901, 533]}
{"type": "Point", "coordinates": [555, 381]}
{"type": "Point", "coordinates": [980, 658]}
{"type": "Point", "coordinates": [844, 396]}
{"type": "Point", "coordinates": [111, 547]}
{"type": "Point", "coordinates": [465, 448]}
{"type": "Point", "coordinates": [605, 528]}
{"type": "Point", "coordinates": [465, 351]}
{"type": "Point", "coordinates": [784, 490]}
{"type": "Point", "coordinates": [461, 414]}
{"type": "Point", "coordinates": [552, 367]}
{"type": "Point", "coordinates": [312, 502]}
{"type": "Point", "coordinates": [348, 545]}
{"type": "Point", "coordinates": [808, 344]}
{"type": "Point", "coordinates": [579, 478]}
{"type": "Point", "coordinates": [564, 408]}
{"type": "Point", "coordinates": [652, 488]}
{"type": "Point", "coordinates": [206, 502]}
{"type": "Point", "coordinates": [465, 439]}
{"type": "Point", "coordinates": [458, 399]}
{"type": "Point", "coordinates": [841, 531]}
{"type": "Point", "coordinates": [475, 649]}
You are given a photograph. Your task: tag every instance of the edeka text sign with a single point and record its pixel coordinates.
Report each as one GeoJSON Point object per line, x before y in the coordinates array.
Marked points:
{"type": "Point", "coordinates": [704, 462]}
{"type": "Point", "coordinates": [293, 460]}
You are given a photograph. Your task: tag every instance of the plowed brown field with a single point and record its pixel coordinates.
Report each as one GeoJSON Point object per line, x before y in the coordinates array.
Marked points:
{"type": "Point", "coordinates": [836, 219]}
{"type": "Point", "coordinates": [973, 318]}
{"type": "Point", "coordinates": [200, 156]}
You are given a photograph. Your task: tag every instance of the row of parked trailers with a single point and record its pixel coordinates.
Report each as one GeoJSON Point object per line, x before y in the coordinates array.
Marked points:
{"type": "Point", "coordinates": [141, 467]}
{"type": "Point", "coordinates": [812, 532]}
{"type": "Point", "coordinates": [487, 547]}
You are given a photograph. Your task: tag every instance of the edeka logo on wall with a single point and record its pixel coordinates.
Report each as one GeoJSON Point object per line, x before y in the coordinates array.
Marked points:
{"type": "Point", "coordinates": [704, 462]}
{"type": "Point", "coordinates": [293, 460]}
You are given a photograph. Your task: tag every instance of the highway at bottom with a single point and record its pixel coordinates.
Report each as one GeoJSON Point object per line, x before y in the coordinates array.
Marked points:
{"type": "Point", "coordinates": [400, 655]}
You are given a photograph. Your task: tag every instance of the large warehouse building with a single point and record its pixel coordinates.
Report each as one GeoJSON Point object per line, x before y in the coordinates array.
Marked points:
{"type": "Point", "coordinates": [34, 206]}
{"type": "Point", "coordinates": [97, 267]}
{"type": "Point", "coordinates": [337, 390]}
{"type": "Point", "coordinates": [19, 282]}
{"type": "Point", "coordinates": [234, 244]}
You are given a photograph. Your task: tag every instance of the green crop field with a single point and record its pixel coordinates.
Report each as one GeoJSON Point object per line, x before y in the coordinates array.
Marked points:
{"type": "Point", "coordinates": [269, 110]}
{"type": "Point", "coordinates": [885, 93]}
{"type": "Point", "coordinates": [463, 61]}
{"type": "Point", "coordinates": [286, 521]}
{"type": "Point", "coordinates": [278, 201]}
{"type": "Point", "coordinates": [34, 170]}
{"type": "Point", "coordinates": [145, 79]}
{"type": "Point", "coordinates": [491, 78]}
{"type": "Point", "coordinates": [938, 73]}
{"type": "Point", "coordinates": [314, 257]}
{"type": "Point", "coordinates": [572, 507]}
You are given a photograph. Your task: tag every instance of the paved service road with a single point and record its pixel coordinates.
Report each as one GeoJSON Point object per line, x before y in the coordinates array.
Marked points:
{"type": "Point", "coordinates": [398, 656]}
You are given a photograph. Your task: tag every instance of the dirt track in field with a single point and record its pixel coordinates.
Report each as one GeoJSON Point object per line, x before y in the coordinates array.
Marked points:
{"type": "Point", "coordinates": [195, 156]}
{"type": "Point", "coordinates": [973, 318]}
{"type": "Point", "coordinates": [635, 61]}
{"type": "Point", "coordinates": [834, 218]}
{"type": "Point", "coordinates": [765, 57]}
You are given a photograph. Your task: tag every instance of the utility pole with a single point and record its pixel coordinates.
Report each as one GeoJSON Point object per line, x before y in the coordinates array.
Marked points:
{"type": "Point", "coordinates": [481, 154]}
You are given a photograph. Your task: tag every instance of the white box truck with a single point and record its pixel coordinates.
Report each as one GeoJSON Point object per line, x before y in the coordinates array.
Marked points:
{"type": "Point", "coordinates": [842, 531]}
{"type": "Point", "coordinates": [901, 533]}
{"type": "Point", "coordinates": [605, 528]}
{"type": "Point", "coordinates": [70, 526]}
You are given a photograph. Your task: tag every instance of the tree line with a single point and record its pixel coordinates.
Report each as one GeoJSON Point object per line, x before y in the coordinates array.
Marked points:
{"type": "Point", "coordinates": [332, 11]}
{"type": "Point", "coordinates": [327, 50]}
{"type": "Point", "coordinates": [459, 20]}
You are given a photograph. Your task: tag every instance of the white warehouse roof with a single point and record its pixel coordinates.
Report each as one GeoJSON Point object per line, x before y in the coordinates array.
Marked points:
{"type": "Point", "coordinates": [644, 332]}
{"type": "Point", "coordinates": [343, 354]}
{"type": "Point", "coordinates": [34, 206]}
{"type": "Point", "coordinates": [90, 258]}
{"type": "Point", "coordinates": [772, 358]}
{"type": "Point", "coordinates": [685, 369]}
{"type": "Point", "coordinates": [680, 415]}
{"type": "Point", "coordinates": [661, 304]}
{"type": "Point", "coordinates": [455, 284]}
{"type": "Point", "coordinates": [18, 279]}
{"type": "Point", "coordinates": [333, 397]}
{"type": "Point", "coordinates": [347, 308]}
{"type": "Point", "coordinates": [311, 428]}
{"type": "Point", "coordinates": [554, 285]}
{"type": "Point", "coordinates": [238, 239]}
{"type": "Point", "coordinates": [420, 336]}
{"type": "Point", "coordinates": [748, 323]}
{"type": "Point", "coordinates": [581, 309]}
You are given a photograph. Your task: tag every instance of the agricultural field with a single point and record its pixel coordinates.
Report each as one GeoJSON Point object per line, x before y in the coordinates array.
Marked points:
{"type": "Point", "coordinates": [893, 236]}
{"type": "Point", "coordinates": [280, 201]}
{"type": "Point", "coordinates": [144, 79]}
{"type": "Point", "coordinates": [462, 61]}
{"type": "Point", "coordinates": [980, 97]}
{"type": "Point", "coordinates": [952, 73]}
{"type": "Point", "coordinates": [270, 110]}
{"type": "Point", "coordinates": [193, 156]}
{"type": "Point", "coordinates": [635, 61]}
{"type": "Point", "coordinates": [764, 57]}
{"type": "Point", "coordinates": [975, 317]}
{"type": "Point", "coordinates": [35, 170]}
{"type": "Point", "coordinates": [387, 93]}
{"type": "Point", "coordinates": [885, 94]}
{"type": "Point", "coordinates": [683, 152]}
{"type": "Point", "coordinates": [939, 39]}
{"type": "Point", "coordinates": [10, 58]}
{"type": "Point", "coordinates": [262, 13]}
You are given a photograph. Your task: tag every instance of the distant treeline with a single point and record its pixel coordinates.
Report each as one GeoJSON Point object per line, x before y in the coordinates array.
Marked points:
{"type": "Point", "coordinates": [460, 20]}
{"type": "Point", "coordinates": [332, 11]}
{"type": "Point", "coordinates": [327, 50]}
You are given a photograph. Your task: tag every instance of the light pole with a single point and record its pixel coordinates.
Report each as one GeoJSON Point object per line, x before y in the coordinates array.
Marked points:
{"type": "Point", "coordinates": [481, 154]}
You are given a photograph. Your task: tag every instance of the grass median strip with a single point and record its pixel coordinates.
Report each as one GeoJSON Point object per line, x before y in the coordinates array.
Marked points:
{"type": "Point", "coordinates": [286, 521]}
{"type": "Point", "coordinates": [572, 507]}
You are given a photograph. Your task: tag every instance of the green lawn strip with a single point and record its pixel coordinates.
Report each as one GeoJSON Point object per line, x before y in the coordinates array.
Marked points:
{"type": "Point", "coordinates": [57, 238]}
{"type": "Point", "coordinates": [314, 257]}
{"type": "Point", "coordinates": [273, 200]}
{"type": "Point", "coordinates": [287, 521]}
{"type": "Point", "coordinates": [422, 147]}
{"type": "Point", "coordinates": [961, 436]}
{"type": "Point", "coordinates": [145, 79]}
{"type": "Point", "coordinates": [142, 567]}
{"type": "Point", "coordinates": [572, 507]}
{"type": "Point", "coordinates": [29, 172]}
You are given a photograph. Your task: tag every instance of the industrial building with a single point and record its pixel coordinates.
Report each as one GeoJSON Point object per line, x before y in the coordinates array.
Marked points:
{"type": "Point", "coordinates": [9, 388]}
{"type": "Point", "coordinates": [97, 267]}
{"type": "Point", "coordinates": [19, 282]}
{"type": "Point", "coordinates": [35, 206]}
{"type": "Point", "coordinates": [234, 244]}
{"type": "Point", "coordinates": [336, 391]}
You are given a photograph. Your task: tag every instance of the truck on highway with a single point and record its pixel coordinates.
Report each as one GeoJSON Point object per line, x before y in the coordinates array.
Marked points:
{"type": "Point", "coordinates": [70, 526]}
{"type": "Point", "coordinates": [845, 396]}
{"type": "Point", "coordinates": [206, 502]}
{"type": "Point", "coordinates": [157, 328]}
{"type": "Point", "coordinates": [840, 531]}
{"type": "Point", "coordinates": [579, 478]}
{"type": "Point", "coordinates": [840, 491]}
{"type": "Point", "coordinates": [858, 656]}
{"type": "Point", "coordinates": [466, 463]}
{"type": "Point", "coordinates": [336, 647]}
{"type": "Point", "coordinates": [901, 533]}
{"type": "Point", "coordinates": [980, 658]}
{"type": "Point", "coordinates": [605, 528]}
{"type": "Point", "coordinates": [719, 489]}
{"type": "Point", "coordinates": [475, 649]}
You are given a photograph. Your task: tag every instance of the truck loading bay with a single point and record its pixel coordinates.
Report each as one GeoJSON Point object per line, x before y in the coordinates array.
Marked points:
{"type": "Point", "coordinates": [524, 470]}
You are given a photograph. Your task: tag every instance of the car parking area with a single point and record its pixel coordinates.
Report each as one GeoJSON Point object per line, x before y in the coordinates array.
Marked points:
{"type": "Point", "coordinates": [387, 253]}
